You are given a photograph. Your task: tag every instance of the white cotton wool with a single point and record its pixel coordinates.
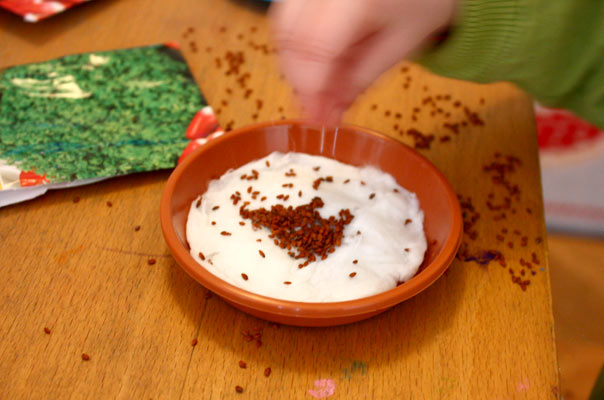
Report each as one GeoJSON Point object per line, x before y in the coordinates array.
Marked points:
{"type": "Point", "coordinates": [389, 248]}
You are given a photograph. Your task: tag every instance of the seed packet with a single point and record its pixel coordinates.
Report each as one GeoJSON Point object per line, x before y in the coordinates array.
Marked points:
{"type": "Point", "coordinates": [36, 10]}
{"type": "Point", "coordinates": [85, 117]}
{"type": "Point", "coordinates": [572, 160]}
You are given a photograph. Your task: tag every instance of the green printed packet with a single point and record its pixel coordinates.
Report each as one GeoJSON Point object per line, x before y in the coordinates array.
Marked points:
{"type": "Point", "coordinates": [88, 116]}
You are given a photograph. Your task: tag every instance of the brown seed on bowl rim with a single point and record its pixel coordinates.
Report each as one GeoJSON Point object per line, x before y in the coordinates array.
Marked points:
{"type": "Point", "coordinates": [85, 357]}
{"type": "Point", "coordinates": [242, 364]}
{"type": "Point", "coordinates": [137, 228]}
{"type": "Point", "coordinates": [47, 331]}
{"type": "Point", "coordinates": [194, 342]}
{"type": "Point", "coordinates": [151, 261]}
{"type": "Point", "coordinates": [238, 389]}
{"type": "Point", "coordinates": [202, 256]}
{"type": "Point", "coordinates": [267, 372]}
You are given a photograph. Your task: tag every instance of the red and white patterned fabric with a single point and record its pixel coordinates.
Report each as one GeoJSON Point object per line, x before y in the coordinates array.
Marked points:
{"type": "Point", "coordinates": [36, 10]}
{"type": "Point", "coordinates": [572, 171]}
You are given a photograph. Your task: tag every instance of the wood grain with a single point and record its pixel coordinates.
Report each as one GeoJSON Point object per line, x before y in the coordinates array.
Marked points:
{"type": "Point", "coordinates": [81, 270]}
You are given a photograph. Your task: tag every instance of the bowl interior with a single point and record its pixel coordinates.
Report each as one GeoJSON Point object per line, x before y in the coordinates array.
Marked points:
{"type": "Point", "coordinates": [351, 145]}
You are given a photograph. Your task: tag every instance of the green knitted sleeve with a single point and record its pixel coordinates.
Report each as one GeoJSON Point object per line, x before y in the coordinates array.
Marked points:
{"type": "Point", "coordinates": [553, 49]}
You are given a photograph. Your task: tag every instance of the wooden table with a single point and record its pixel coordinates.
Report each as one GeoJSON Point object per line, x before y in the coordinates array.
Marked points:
{"type": "Point", "coordinates": [82, 271]}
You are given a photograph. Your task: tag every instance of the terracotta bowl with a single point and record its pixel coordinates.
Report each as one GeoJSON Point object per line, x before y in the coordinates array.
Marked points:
{"type": "Point", "coordinates": [348, 144]}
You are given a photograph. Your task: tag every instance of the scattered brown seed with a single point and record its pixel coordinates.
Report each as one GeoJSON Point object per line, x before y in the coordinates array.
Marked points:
{"type": "Point", "coordinates": [215, 208]}
{"type": "Point", "coordinates": [352, 274]}
{"type": "Point", "coordinates": [242, 364]}
{"type": "Point", "coordinates": [109, 204]}
{"type": "Point", "coordinates": [76, 199]}
{"type": "Point", "coordinates": [408, 221]}
{"type": "Point", "coordinates": [198, 203]}
{"type": "Point", "coordinates": [85, 357]}
{"type": "Point", "coordinates": [194, 342]}
{"type": "Point", "coordinates": [225, 233]}
{"type": "Point", "coordinates": [287, 283]}
{"type": "Point", "coordinates": [355, 261]}
{"type": "Point", "coordinates": [202, 256]}
{"type": "Point", "coordinates": [137, 228]}
{"type": "Point", "coordinates": [238, 389]}
{"type": "Point", "coordinates": [244, 276]}
{"type": "Point", "coordinates": [267, 372]}
{"type": "Point", "coordinates": [47, 331]}
{"type": "Point", "coordinates": [151, 261]}
{"type": "Point", "coordinates": [262, 253]}
{"type": "Point", "coordinates": [213, 222]}
{"type": "Point", "coordinates": [371, 196]}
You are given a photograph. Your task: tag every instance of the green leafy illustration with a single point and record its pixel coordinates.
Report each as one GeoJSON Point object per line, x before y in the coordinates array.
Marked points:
{"type": "Point", "coordinates": [99, 114]}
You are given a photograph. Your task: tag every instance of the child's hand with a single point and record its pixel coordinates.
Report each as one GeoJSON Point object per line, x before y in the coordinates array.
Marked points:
{"type": "Point", "coordinates": [332, 50]}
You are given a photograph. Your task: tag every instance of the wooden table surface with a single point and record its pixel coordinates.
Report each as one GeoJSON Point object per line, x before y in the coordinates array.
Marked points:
{"type": "Point", "coordinates": [82, 271]}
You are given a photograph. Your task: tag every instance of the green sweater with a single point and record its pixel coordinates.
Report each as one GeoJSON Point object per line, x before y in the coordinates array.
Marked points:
{"type": "Point", "coordinates": [553, 49]}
